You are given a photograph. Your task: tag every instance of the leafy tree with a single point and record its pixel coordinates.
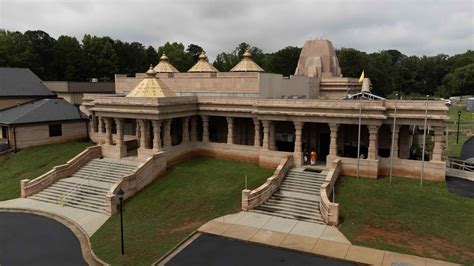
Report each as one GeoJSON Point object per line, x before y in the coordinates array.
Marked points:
{"type": "Point", "coordinates": [68, 59]}
{"type": "Point", "coordinates": [43, 48]}
{"type": "Point", "coordinates": [177, 55]}
{"type": "Point", "coordinates": [459, 82]}
{"type": "Point", "coordinates": [100, 57]}
{"type": "Point", "coordinates": [226, 61]}
{"type": "Point", "coordinates": [194, 51]}
{"type": "Point", "coordinates": [152, 57]}
{"type": "Point", "coordinates": [16, 50]}
{"type": "Point", "coordinates": [283, 61]}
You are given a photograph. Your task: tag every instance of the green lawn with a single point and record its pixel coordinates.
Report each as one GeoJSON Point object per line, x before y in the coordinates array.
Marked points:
{"type": "Point", "coordinates": [33, 162]}
{"type": "Point", "coordinates": [405, 217]}
{"type": "Point", "coordinates": [467, 119]}
{"type": "Point", "coordinates": [454, 150]}
{"type": "Point", "coordinates": [160, 216]}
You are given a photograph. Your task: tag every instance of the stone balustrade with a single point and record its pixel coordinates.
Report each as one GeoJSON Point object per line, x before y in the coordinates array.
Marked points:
{"type": "Point", "coordinates": [330, 210]}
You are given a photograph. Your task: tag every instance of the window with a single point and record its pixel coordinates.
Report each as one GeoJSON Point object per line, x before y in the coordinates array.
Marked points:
{"type": "Point", "coordinates": [55, 130]}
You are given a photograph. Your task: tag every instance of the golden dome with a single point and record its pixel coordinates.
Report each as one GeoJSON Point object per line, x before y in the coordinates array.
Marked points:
{"type": "Point", "coordinates": [203, 65]}
{"type": "Point", "coordinates": [151, 86]}
{"type": "Point", "coordinates": [247, 64]}
{"type": "Point", "coordinates": [164, 66]}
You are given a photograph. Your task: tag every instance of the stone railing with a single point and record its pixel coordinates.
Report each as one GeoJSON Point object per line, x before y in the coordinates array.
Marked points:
{"type": "Point", "coordinates": [253, 198]}
{"type": "Point", "coordinates": [147, 172]}
{"type": "Point", "coordinates": [34, 186]}
{"type": "Point", "coordinates": [330, 210]}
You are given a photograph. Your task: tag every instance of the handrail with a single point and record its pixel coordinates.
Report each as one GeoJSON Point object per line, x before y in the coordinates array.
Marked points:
{"type": "Point", "coordinates": [330, 210]}
{"type": "Point", "coordinates": [254, 198]}
{"type": "Point", "coordinates": [460, 164]}
{"type": "Point", "coordinates": [30, 187]}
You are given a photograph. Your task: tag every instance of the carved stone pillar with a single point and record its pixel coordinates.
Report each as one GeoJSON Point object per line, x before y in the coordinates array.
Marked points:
{"type": "Point", "coordinates": [230, 130]}
{"type": "Point", "coordinates": [101, 124]}
{"type": "Point", "coordinates": [92, 123]}
{"type": "Point", "coordinates": [167, 133]}
{"type": "Point", "coordinates": [119, 126]}
{"type": "Point", "coordinates": [395, 131]}
{"type": "Point", "coordinates": [256, 141]}
{"type": "Point", "coordinates": [272, 136]}
{"type": "Point", "coordinates": [156, 135]}
{"type": "Point", "coordinates": [298, 132]}
{"type": "Point", "coordinates": [266, 131]}
{"type": "Point", "coordinates": [438, 144]}
{"type": "Point", "coordinates": [185, 121]}
{"type": "Point", "coordinates": [205, 128]}
{"type": "Point", "coordinates": [333, 143]}
{"type": "Point", "coordinates": [194, 136]}
{"type": "Point", "coordinates": [373, 150]}
{"type": "Point", "coordinates": [108, 130]}
{"type": "Point", "coordinates": [141, 123]}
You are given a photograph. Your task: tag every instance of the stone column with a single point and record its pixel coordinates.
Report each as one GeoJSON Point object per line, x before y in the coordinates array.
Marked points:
{"type": "Point", "coordinates": [205, 128]}
{"type": "Point", "coordinates": [141, 123]}
{"type": "Point", "coordinates": [256, 141]}
{"type": "Point", "coordinates": [272, 136]}
{"type": "Point", "coordinates": [230, 130]}
{"type": "Point", "coordinates": [373, 130]}
{"type": "Point", "coordinates": [185, 123]}
{"type": "Point", "coordinates": [92, 123]}
{"type": "Point", "coordinates": [101, 124]}
{"type": "Point", "coordinates": [194, 136]}
{"type": "Point", "coordinates": [333, 143]}
{"type": "Point", "coordinates": [167, 133]}
{"type": "Point", "coordinates": [266, 131]}
{"type": "Point", "coordinates": [395, 131]}
{"type": "Point", "coordinates": [119, 125]}
{"type": "Point", "coordinates": [156, 135]}
{"type": "Point", "coordinates": [108, 130]}
{"type": "Point", "coordinates": [298, 132]}
{"type": "Point", "coordinates": [438, 144]}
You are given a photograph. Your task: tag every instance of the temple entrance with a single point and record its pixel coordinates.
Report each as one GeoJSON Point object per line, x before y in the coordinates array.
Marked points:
{"type": "Point", "coordinates": [316, 137]}
{"type": "Point", "coordinates": [176, 131]}
{"type": "Point", "coordinates": [284, 136]}
{"type": "Point", "coordinates": [244, 131]}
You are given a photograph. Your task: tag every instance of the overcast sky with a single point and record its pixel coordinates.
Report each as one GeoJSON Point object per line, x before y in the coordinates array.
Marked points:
{"type": "Point", "coordinates": [421, 27]}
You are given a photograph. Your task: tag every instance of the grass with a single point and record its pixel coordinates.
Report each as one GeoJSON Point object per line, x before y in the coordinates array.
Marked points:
{"type": "Point", "coordinates": [172, 207]}
{"type": "Point", "coordinates": [455, 149]}
{"type": "Point", "coordinates": [32, 162]}
{"type": "Point", "coordinates": [467, 119]}
{"type": "Point", "coordinates": [405, 217]}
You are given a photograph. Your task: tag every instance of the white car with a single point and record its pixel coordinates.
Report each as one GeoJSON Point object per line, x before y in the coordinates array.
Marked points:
{"type": "Point", "coordinates": [447, 102]}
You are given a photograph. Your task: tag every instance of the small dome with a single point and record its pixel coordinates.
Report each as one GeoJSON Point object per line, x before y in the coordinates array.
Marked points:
{"type": "Point", "coordinates": [203, 65]}
{"type": "Point", "coordinates": [151, 86]}
{"type": "Point", "coordinates": [151, 72]}
{"type": "Point", "coordinates": [247, 64]}
{"type": "Point", "coordinates": [164, 66]}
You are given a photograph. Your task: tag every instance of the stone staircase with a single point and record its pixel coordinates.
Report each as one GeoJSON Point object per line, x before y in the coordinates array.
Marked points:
{"type": "Point", "coordinates": [86, 188]}
{"type": "Point", "coordinates": [297, 197]}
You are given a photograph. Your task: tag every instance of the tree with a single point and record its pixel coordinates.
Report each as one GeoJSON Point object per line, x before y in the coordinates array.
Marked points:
{"type": "Point", "coordinates": [459, 82]}
{"type": "Point", "coordinates": [152, 57]}
{"type": "Point", "coordinates": [68, 60]}
{"type": "Point", "coordinates": [194, 51]}
{"type": "Point", "coordinates": [101, 60]}
{"type": "Point", "coordinates": [283, 61]}
{"type": "Point", "coordinates": [178, 57]}
{"type": "Point", "coordinates": [43, 46]}
{"type": "Point", "coordinates": [226, 61]}
{"type": "Point", "coordinates": [16, 50]}
{"type": "Point", "coordinates": [351, 61]}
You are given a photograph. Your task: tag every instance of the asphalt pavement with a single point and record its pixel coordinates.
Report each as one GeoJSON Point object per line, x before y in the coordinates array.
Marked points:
{"type": "Point", "coordinates": [211, 250]}
{"type": "Point", "coordinates": [460, 186]}
{"type": "Point", "coordinates": [27, 239]}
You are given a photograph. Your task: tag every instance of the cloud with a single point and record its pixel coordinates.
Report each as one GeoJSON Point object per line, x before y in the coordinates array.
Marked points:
{"type": "Point", "coordinates": [413, 27]}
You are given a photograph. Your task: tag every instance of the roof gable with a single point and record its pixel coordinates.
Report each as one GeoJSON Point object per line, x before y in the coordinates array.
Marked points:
{"type": "Point", "coordinates": [18, 82]}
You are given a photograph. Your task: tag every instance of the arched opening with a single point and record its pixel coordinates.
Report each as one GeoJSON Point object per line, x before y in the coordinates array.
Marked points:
{"type": "Point", "coordinates": [316, 137]}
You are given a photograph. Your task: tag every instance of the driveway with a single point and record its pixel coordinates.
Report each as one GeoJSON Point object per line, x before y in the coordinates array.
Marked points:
{"type": "Point", "coordinates": [27, 239]}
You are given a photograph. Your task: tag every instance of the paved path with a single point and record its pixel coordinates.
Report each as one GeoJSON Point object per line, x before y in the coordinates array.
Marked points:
{"type": "Point", "coordinates": [27, 239]}
{"type": "Point", "coordinates": [88, 220]}
{"type": "Point", "coordinates": [307, 237]}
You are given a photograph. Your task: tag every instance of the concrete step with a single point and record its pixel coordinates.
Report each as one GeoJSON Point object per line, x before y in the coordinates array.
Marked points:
{"type": "Point", "coordinates": [302, 177]}
{"type": "Point", "coordinates": [294, 214]}
{"type": "Point", "coordinates": [85, 186]}
{"type": "Point", "coordinates": [116, 168]}
{"type": "Point", "coordinates": [94, 208]}
{"type": "Point", "coordinates": [96, 178]}
{"type": "Point", "coordinates": [287, 205]}
{"type": "Point", "coordinates": [102, 173]}
{"type": "Point", "coordinates": [96, 186]}
{"type": "Point", "coordinates": [303, 182]}
{"type": "Point", "coordinates": [299, 190]}
{"type": "Point", "coordinates": [93, 201]}
{"type": "Point", "coordinates": [297, 185]}
{"type": "Point", "coordinates": [79, 192]}
{"type": "Point", "coordinates": [288, 216]}
{"type": "Point", "coordinates": [292, 210]}
{"type": "Point", "coordinates": [283, 196]}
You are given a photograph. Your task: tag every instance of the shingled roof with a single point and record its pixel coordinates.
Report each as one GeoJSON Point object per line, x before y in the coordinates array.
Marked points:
{"type": "Point", "coordinates": [44, 110]}
{"type": "Point", "coordinates": [21, 82]}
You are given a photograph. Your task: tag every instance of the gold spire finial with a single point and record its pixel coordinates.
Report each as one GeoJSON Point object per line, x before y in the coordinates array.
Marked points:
{"type": "Point", "coordinates": [151, 73]}
{"type": "Point", "coordinates": [247, 53]}
{"type": "Point", "coordinates": [164, 57]}
{"type": "Point", "coordinates": [203, 65]}
{"type": "Point", "coordinates": [247, 64]}
{"type": "Point", "coordinates": [203, 56]}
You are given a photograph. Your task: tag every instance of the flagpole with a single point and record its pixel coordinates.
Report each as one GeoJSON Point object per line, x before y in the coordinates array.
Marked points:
{"type": "Point", "coordinates": [358, 135]}
{"type": "Point", "coordinates": [393, 137]}
{"type": "Point", "coordinates": [424, 143]}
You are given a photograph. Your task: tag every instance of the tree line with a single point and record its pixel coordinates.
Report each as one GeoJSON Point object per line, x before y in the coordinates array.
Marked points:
{"type": "Point", "coordinates": [391, 72]}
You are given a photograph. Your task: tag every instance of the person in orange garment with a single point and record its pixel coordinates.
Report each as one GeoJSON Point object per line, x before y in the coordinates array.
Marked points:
{"type": "Point", "coordinates": [314, 157]}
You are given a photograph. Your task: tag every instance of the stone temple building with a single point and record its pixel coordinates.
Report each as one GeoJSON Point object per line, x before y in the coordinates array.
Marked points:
{"type": "Point", "coordinates": [247, 114]}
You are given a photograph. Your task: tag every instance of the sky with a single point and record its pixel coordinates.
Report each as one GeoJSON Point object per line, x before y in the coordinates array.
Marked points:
{"type": "Point", "coordinates": [416, 27]}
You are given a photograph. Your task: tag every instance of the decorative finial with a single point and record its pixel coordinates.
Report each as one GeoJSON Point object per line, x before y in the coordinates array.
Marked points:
{"type": "Point", "coordinates": [151, 73]}
{"type": "Point", "coordinates": [203, 56]}
{"type": "Point", "coordinates": [247, 53]}
{"type": "Point", "coordinates": [164, 57]}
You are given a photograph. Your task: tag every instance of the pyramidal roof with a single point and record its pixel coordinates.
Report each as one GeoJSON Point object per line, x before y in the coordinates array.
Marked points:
{"type": "Point", "coordinates": [151, 86]}
{"type": "Point", "coordinates": [203, 65]}
{"type": "Point", "coordinates": [164, 66]}
{"type": "Point", "coordinates": [247, 64]}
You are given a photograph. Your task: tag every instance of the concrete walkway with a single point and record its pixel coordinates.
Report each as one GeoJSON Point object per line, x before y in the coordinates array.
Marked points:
{"type": "Point", "coordinates": [88, 220]}
{"type": "Point", "coordinates": [307, 237]}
